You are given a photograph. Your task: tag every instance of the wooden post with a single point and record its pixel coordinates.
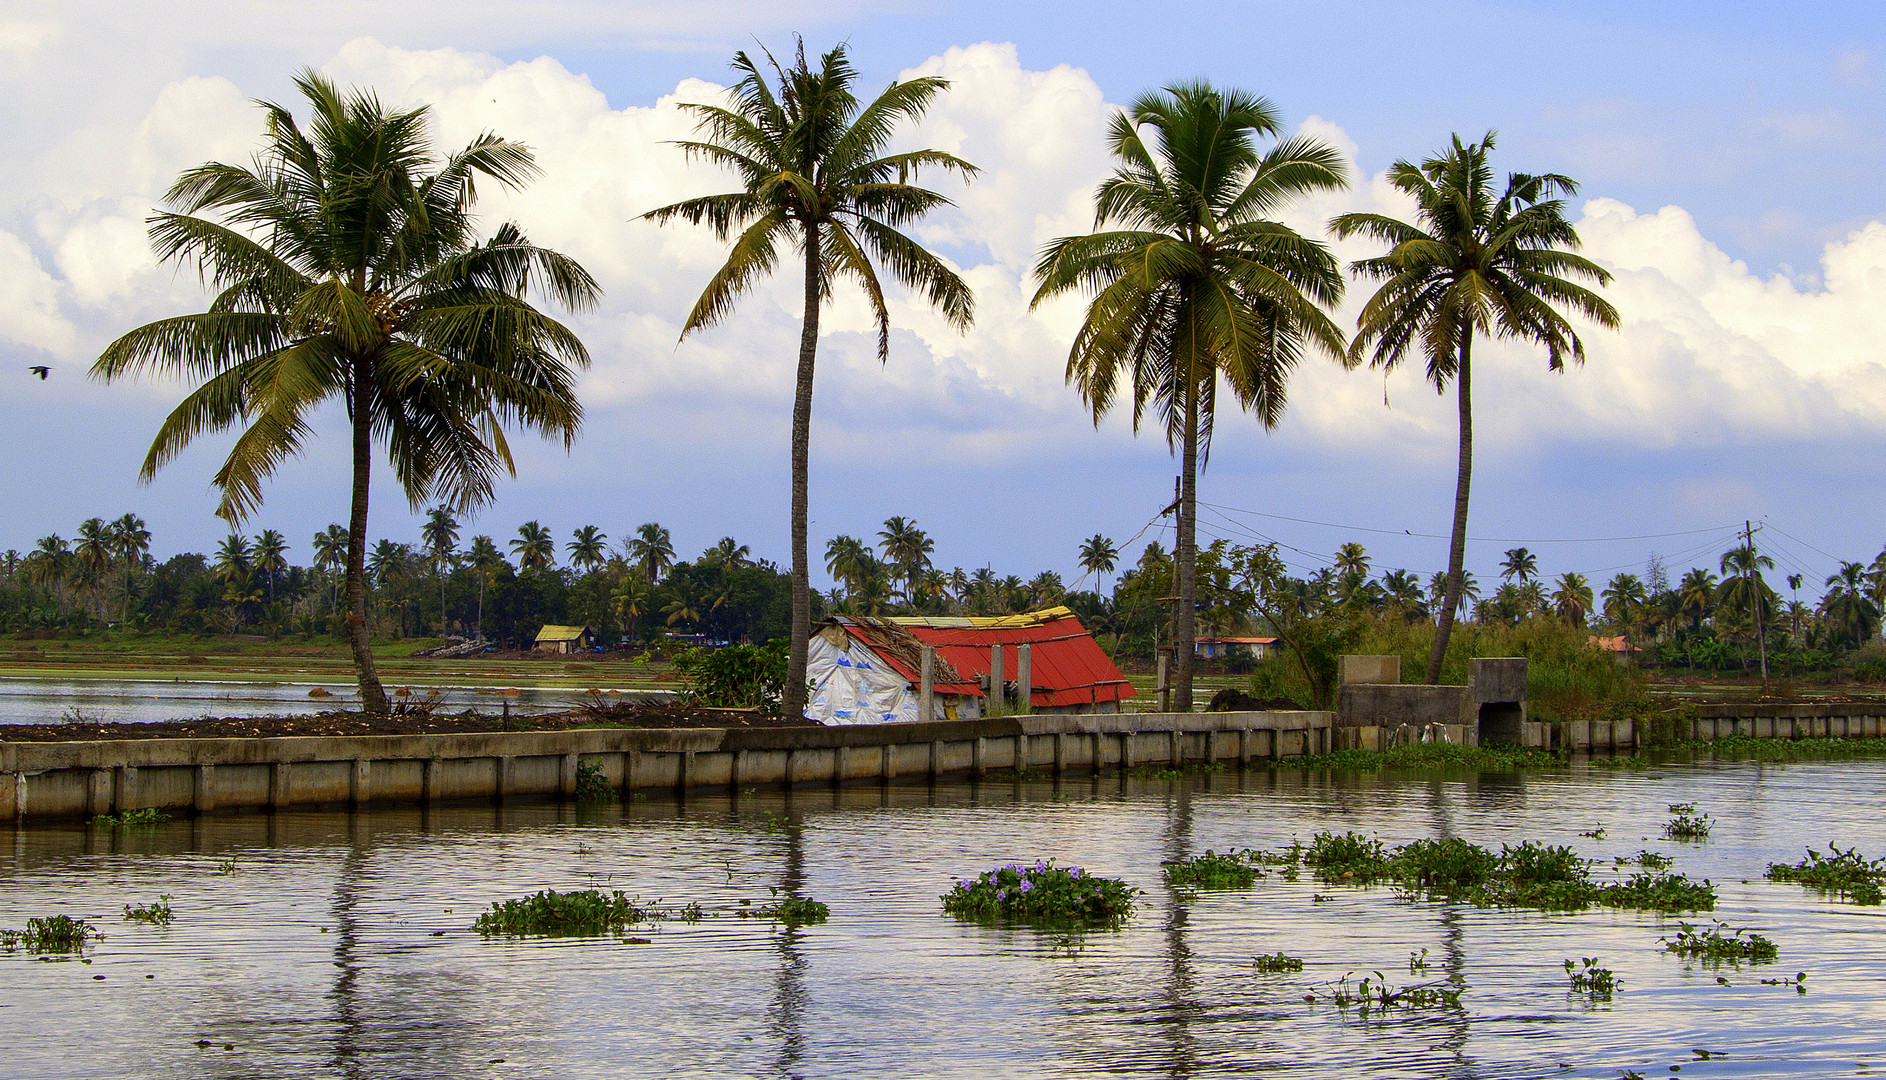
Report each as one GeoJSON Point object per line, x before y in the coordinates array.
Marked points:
{"type": "Point", "coordinates": [1024, 681]}
{"type": "Point", "coordinates": [1164, 695]}
{"type": "Point", "coordinates": [996, 689]}
{"type": "Point", "coordinates": [926, 686]}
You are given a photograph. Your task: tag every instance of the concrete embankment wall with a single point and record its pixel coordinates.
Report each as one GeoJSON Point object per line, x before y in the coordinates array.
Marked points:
{"type": "Point", "coordinates": [1836, 720]}
{"type": "Point", "coordinates": [81, 779]}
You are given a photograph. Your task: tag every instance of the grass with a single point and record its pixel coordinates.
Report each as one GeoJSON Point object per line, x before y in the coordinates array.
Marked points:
{"type": "Point", "coordinates": [52, 934]}
{"type": "Point", "coordinates": [1713, 945]}
{"type": "Point", "coordinates": [1043, 895]}
{"type": "Point", "coordinates": [1688, 824]}
{"type": "Point", "coordinates": [1848, 873]}
{"type": "Point", "coordinates": [550, 913]}
{"type": "Point", "coordinates": [125, 819]}
{"type": "Point", "coordinates": [1231, 870]}
{"type": "Point", "coordinates": [157, 913]}
{"type": "Point", "coordinates": [1276, 963]}
{"type": "Point", "coordinates": [1591, 980]}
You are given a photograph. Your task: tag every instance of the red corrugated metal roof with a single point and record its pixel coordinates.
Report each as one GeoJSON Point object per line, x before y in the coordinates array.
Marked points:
{"type": "Point", "coordinates": [1066, 665]}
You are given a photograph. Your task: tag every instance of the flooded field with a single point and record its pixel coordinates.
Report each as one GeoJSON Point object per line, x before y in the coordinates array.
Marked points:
{"type": "Point", "coordinates": [340, 945]}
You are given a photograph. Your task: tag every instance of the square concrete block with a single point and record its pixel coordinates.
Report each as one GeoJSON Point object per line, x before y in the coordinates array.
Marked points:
{"type": "Point", "coordinates": [1368, 669]}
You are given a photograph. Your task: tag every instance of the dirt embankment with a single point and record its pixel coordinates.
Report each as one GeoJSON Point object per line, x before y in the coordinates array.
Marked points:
{"type": "Point", "coordinates": [637, 714]}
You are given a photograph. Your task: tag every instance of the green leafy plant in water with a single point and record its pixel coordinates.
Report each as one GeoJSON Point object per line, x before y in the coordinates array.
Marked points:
{"type": "Point", "coordinates": [1376, 993]}
{"type": "Point", "coordinates": [1660, 892]}
{"type": "Point", "coordinates": [1042, 895]}
{"type": "Point", "coordinates": [1276, 963]}
{"type": "Point", "coordinates": [1688, 824]}
{"type": "Point", "coordinates": [791, 910]}
{"type": "Point", "coordinates": [550, 913]}
{"type": "Point", "coordinates": [592, 787]}
{"type": "Point", "coordinates": [127, 818]}
{"type": "Point", "coordinates": [1347, 857]}
{"type": "Point", "coordinates": [1649, 860]}
{"type": "Point", "coordinates": [1595, 982]}
{"type": "Point", "coordinates": [52, 934]}
{"type": "Point", "coordinates": [1713, 945]}
{"type": "Point", "coordinates": [1168, 772]}
{"type": "Point", "coordinates": [1847, 872]}
{"type": "Point", "coordinates": [157, 914]}
{"type": "Point", "coordinates": [1232, 870]}
{"type": "Point", "coordinates": [1418, 962]}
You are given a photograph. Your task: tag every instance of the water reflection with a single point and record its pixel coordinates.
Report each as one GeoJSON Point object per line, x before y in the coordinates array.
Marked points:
{"type": "Point", "coordinates": [337, 945]}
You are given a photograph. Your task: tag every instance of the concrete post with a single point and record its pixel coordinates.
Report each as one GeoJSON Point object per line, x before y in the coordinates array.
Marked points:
{"type": "Point", "coordinates": [1175, 749]}
{"type": "Point", "coordinates": [980, 757]}
{"type": "Point", "coordinates": [360, 789]}
{"type": "Point", "coordinates": [936, 759]}
{"type": "Point", "coordinates": [887, 763]}
{"type": "Point", "coordinates": [503, 786]}
{"type": "Point", "coordinates": [1024, 682]}
{"type": "Point", "coordinates": [996, 680]}
{"type": "Point", "coordinates": [786, 778]}
{"type": "Point", "coordinates": [631, 763]}
{"type": "Point", "coordinates": [278, 785]}
{"type": "Point", "coordinates": [203, 792]}
{"type": "Point", "coordinates": [1164, 695]}
{"type": "Point", "coordinates": [926, 686]}
{"type": "Point", "coordinates": [1021, 749]}
{"type": "Point", "coordinates": [1100, 753]}
{"type": "Point", "coordinates": [841, 764]}
{"type": "Point", "coordinates": [124, 795]}
{"type": "Point", "coordinates": [736, 770]}
{"type": "Point", "coordinates": [566, 777]}
{"type": "Point", "coordinates": [1060, 752]}
{"type": "Point", "coordinates": [684, 772]}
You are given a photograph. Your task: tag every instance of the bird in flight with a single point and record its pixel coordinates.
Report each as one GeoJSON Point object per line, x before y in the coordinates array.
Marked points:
{"type": "Point", "coordinates": [40, 370]}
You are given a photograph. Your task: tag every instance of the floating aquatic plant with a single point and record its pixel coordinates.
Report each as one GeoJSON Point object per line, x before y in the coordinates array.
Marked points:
{"type": "Point", "coordinates": [127, 818]}
{"type": "Point", "coordinates": [1688, 823]}
{"type": "Point", "coordinates": [52, 934]}
{"type": "Point", "coordinates": [1042, 895]}
{"type": "Point", "coordinates": [1375, 992]}
{"type": "Point", "coordinates": [1595, 982]}
{"type": "Point", "coordinates": [1275, 963]}
{"type": "Point", "coordinates": [791, 910]}
{"type": "Point", "coordinates": [1846, 872]}
{"type": "Point", "coordinates": [1714, 945]}
{"type": "Point", "coordinates": [1660, 892]}
{"type": "Point", "coordinates": [573, 914]}
{"type": "Point", "coordinates": [1236, 869]}
{"type": "Point", "coordinates": [157, 913]}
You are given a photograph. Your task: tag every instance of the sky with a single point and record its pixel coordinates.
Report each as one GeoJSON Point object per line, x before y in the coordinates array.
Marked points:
{"type": "Point", "coordinates": [1730, 162]}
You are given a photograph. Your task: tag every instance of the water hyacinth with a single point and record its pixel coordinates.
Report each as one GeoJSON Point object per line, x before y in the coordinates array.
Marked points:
{"type": "Point", "coordinates": [1042, 895]}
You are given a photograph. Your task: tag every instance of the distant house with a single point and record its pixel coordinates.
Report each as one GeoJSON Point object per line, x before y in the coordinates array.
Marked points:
{"type": "Point", "coordinates": [565, 639]}
{"type": "Point", "coordinates": [1619, 647]}
{"type": "Point", "coordinates": [1218, 648]}
{"type": "Point", "coordinates": [867, 671]}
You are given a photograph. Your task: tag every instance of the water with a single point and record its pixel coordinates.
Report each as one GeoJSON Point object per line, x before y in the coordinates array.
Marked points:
{"type": "Point", "coordinates": [48, 701]}
{"type": "Point", "coordinates": [336, 945]}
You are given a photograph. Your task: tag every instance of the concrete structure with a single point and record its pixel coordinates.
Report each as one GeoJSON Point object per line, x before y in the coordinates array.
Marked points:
{"type": "Point", "coordinates": [82, 779]}
{"type": "Point", "coordinates": [1219, 648]}
{"type": "Point", "coordinates": [1492, 706]}
{"type": "Point", "coordinates": [565, 639]}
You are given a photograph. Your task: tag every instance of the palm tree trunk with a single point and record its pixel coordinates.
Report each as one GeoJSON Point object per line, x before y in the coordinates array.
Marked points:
{"type": "Point", "coordinates": [794, 693]}
{"type": "Point", "coordinates": [1184, 618]}
{"type": "Point", "coordinates": [372, 695]}
{"type": "Point", "coordinates": [1457, 546]}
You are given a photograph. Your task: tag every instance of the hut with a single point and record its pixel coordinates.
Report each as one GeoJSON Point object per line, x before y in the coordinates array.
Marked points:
{"type": "Point", "coordinates": [1221, 648]}
{"type": "Point", "coordinates": [565, 639]}
{"type": "Point", "coordinates": [867, 671]}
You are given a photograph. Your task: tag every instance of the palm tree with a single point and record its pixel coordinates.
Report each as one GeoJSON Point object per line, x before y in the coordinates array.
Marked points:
{"type": "Point", "coordinates": [330, 552]}
{"type": "Point", "coordinates": [1698, 590]}
{"type": "Point", "coordinates": [1468, 595]}
{"type": "Point", "coordinates": [93, 553]}
{"type": "Point", "coordinates": [534, 547]}
{"type": "Point", "coordinates": [440, 535]}
{"type": "Point", "coordinates": [485, 558]}
{"type": "Point", "coordinates": [652, 550]}
{"type": "Point", "coordinates": [586, 548]}
{"type": "Point", "coordinates": [50, 561]}
{"type": "Point", "coordinates": [130, 540]}
{"type": "Point", "coordinates": [1624, 601]}
{"type": "Point", "coordinates": [633, 598]}
{"type": "Point", "coordinates": [1099, 555]}
{"type": "Point", "coordinates": [1402, 589]}
{"type": "Point", "coordinates": [1472, 264]}
{"type": "Point", "coordinates": [348, 271]}
{"type": "Point", "coordinates": [1743, 593]}
{"type": "Point", "coordinates": [1519, 563]}
{"type": "Point", "coordinates": [846, 560]}
{"type": "Point", "coordinates": [729, 552]}
{"type": "Point", "coordinates": [1197, 282]}
{"type": "Point", "coordinates": [814, 174]}
{"type": "Point", "coordinates": [1572, 598]}
{"type": "Point", "coordinates": [907, 548]}
{"type": "Point", "coordinates": [1046, 590]}
{"type": "Point", "coordinates": [1851, 614]}
{"type": "Point", "coordinates": [271, 557]}
{"type": "Point", "coordinates": [1352, 558]}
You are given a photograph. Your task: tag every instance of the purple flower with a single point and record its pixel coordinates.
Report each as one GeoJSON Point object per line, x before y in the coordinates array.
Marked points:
{"type": "Point", "coordinates": [1000, 895]}
{"type": "Point", "coordinates": [1040, 866]}
{"type": "Point", "coordinates": [1027, 886]}
{"type": "Point", "coordinates": [1074, 872]}
{"type": "Point", "coordinates": [965, 884]}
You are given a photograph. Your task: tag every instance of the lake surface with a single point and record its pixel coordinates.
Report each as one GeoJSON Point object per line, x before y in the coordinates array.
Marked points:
{"type": "Point", "coordinates": [338, 945]}
{"type": "Point", "coordinates": [49, 701]}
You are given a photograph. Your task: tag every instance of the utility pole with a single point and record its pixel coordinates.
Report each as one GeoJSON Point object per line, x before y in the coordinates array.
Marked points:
{"type": "Point", "coordinates": [1168, 655]}
{"type": "Point", "coordinates": [1754, 584]}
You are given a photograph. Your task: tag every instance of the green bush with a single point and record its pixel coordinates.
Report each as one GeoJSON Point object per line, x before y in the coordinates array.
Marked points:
{"type": "Point", "coordinates": [736, 677]}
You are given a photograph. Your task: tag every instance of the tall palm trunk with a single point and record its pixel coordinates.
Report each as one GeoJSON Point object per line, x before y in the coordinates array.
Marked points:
{"type": "Point", "coordinates": [1457, 546]}
{"type": "Point", "coordinates": [1184, 617]}
{"type": "Point", "coordinates": [794, 694]}
{"type": "Point", "coordinates": [372, 696]}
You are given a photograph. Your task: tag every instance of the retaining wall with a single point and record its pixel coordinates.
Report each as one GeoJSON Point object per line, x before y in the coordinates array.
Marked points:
{"type": "Point", "coordinates": [1837, 720]}
{"type": "Point", "coordinates": [82, 779]}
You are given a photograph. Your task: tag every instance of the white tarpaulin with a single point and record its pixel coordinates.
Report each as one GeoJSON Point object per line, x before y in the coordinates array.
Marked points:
{"type": "Point", "coordinates": [852, 685]}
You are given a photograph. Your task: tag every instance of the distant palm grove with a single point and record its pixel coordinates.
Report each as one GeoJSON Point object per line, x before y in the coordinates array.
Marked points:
{"type": "Point", "coordinates": [636, 590]}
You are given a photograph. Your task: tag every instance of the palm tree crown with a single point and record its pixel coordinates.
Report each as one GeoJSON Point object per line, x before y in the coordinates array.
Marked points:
{"type": "Point", "coordinates": [1471, 263]}
{"type": "Point", "coordinates": [1195, 281]}
{"type": "Point", "coordinates": [534, 547]}
{"type": "Point", "coordinates": [347, 269]}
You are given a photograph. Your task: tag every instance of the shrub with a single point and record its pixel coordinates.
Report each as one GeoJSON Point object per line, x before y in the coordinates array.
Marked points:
{"type": "Point", "coordinates": [1042, 895]}
{"type": "Point", "coordinates": [736, 677]}
{"type": "Point", "coordinates": [591, 785]}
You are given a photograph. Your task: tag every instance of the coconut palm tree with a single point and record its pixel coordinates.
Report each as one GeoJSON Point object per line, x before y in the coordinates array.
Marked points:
{"type": "Point", "coordinates": [348, 270]}
{"type": "Point", "coordinates": [534, 547]}
{"type": "Point", "coordinates": [440, 536]}
{"type": "Point", "coordinates": [729, 552]}
{"type": "Point", "coordinates": [92, 555]}
{"type": "Point", "coordinates": [1099, 555]}
{"type": "Point", "coordinates": [270, 555]}
{"type": "Point", "coordinates": [1624, 601]}
{"type": "Point", "coordinates": [50, 562]}
{"type": "Point", "coordinates": [1742, 589]}
{"type": "Point", "coordinates": [586, 548]}
{"type": "Point", "coordinates": [485, 559]}
{"type": "Point", "coordinates": [633, 598]}
{"type": "Point", "coordinates": [130, 541]}
{"type": "Point", "coordinates": [1352, 559]}
{"type": "Point", "coordinates": [1571, 598]}
{"type": "Point", "coordinates": [330, 556]}
{"type": "Point", "coordinates": [815, 175]}
{"type": "Point", "coordinates": [1196, 281]}
{"type": "Point", "coordinates": [846, 560]}
{"type": "Point", "coordinates": [907, 548]}
{"type": "Point", "coordinates": [1520, 565]}
{"type": "Point", "coordinates": [1698, 590]}
{"type": "Point", "coordinates": [1469, 590]}
{"type": "Point", "coordinates": [1472, 263]}
{"type": "Point", "coordinates": [652, 550]}
{"type": "Point", "coordinates": [1850, 614]}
